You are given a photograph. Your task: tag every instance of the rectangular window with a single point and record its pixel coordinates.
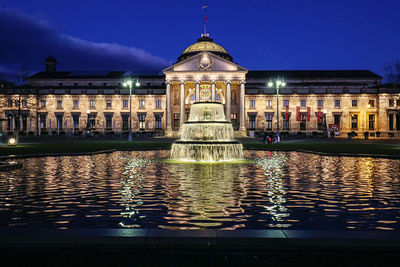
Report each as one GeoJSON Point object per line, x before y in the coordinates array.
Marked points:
{"type": "Point", "coordinates": [391, 122]}
{"type": "Point", "coordinates": [42, 119]}
{"type": "Point", "coordinates": [285, 123]}
{"type": "Point", "coordinates": [320, 103]}
{"type": "Point", "coordinates": [24, 103]}
{"type": "Point", "coordinates": [142, 121]}
{"type": "Point", "coordinates": [43, 103]}
{"type": "Point", "coordinates": [158, 121]}
{"type": "Point", "coordinates": [336, 119]}
{"type": "Point", "coordinates": [92, 121]}
{"type": "Point", "coordinates": [75, 120]}
{"type": "Point", "coordinates": [337, 103]}
{"type": "Point", "coordinates": [285, 103]}
{"type": "Point", "coordinates": [252, 103]}
{"type": "Point", "coordinates": [354, 121]}
{"type": "Point", "coordinates": [108, 121]}
{"type": "Point", "coordinates": [391, 103]}
{"type": "Point", "coordinates": [398, 103]}
{"type": "Point", "coordinates": [59, 120]}
{"type": "Point", "coordinates": [92, 103]}
{"type": "Point", "coordinates": [17, 103]}
{"type": "Point", "coordinates": [10, 103]}
{"type": "Point", "coordinates": [59, 104]}
{"type": "Point", "coordinates": [252, 121]}
{"type": "Point", "coordinates": [177, 117]}
{"type": "Point", "coordinates": [124, 103]}
{"type": "Point", "coordinates": [303, 103]}
{"type": "Point", "coordinates": [269, 103]}
{"type": "Point", "coordinates": [108, 104]}
{"type": "Point", "coordinates": [76, 104]}
{"type": "Point", "coordinates": [371, 122]}
{"type": "Point", "coordinates": [158, 103]}
{"type": "Point", "coordinates": [354, 103]}
{"type": "Point", "coordinates": [371, 103]}
{"type": "Point", "coordinates": [141, 103]}
{"type": "Point", "coordinates": [303, 121]}
{"type": "Point", "coordinates": [125, 122]}
{"type": "Point", "coordinates": [234, 120]}
{"type": "Point", "coordinates": [268, 121]}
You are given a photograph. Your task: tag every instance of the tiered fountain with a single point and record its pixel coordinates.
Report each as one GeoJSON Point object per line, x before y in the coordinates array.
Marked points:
{"type": "Point", "coordinates": [207, 136]}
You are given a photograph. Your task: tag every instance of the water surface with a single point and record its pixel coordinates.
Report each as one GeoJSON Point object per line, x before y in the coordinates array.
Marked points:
{"type": "Point", "coordinates": [132, 189]}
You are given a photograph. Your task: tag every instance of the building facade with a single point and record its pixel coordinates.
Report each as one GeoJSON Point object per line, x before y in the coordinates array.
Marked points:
{"type": "Point", "coordinates": [68, 102]}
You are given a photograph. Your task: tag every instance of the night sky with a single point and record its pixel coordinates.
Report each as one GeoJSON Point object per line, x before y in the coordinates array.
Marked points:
{"type": "Point", "coordinates": [149, 35]}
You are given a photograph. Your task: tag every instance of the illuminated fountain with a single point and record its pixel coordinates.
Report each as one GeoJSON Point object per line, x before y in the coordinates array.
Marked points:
{"type": "Point", "coordinates": [207, 136]}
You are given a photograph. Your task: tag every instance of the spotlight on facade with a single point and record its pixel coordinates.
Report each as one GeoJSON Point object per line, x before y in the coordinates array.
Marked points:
{"type": "Point", "coordinates": [12, 141]}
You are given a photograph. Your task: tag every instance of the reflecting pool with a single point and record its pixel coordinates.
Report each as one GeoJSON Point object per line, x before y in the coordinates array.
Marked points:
{"type": "Point", "coordinates": [139, 190]}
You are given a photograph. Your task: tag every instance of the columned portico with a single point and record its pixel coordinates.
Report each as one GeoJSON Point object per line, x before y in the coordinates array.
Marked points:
{"type": "Point", "coordinates": [204, 77]}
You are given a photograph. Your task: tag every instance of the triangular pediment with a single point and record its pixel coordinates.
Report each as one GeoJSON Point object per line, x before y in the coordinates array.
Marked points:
{"type": "Point", "coordinates": [205, 61]}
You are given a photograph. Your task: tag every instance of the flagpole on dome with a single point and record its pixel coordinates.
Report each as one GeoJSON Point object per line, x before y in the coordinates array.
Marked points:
{"type": "Point", "coordinates": [205, 21]}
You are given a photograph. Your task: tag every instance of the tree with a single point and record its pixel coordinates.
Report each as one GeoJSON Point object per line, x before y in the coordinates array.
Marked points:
{"type": "Point", "coordinates": [392, 73]}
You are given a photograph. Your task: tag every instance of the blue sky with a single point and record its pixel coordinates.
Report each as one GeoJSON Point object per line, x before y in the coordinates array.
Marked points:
{"type": "Point", "coordinates": [285, 34]}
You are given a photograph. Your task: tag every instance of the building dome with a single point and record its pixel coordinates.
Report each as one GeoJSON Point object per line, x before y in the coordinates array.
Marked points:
{"type": "Point", "coordinates": [204, 44]}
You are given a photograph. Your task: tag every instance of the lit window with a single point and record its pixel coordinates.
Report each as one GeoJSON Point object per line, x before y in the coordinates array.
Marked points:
{"type": "Point", "coordinates": [177, 117]}
{"type": "Point", "coordinates": [354, 121]}
{"type": "Point", "coordinates": [371, 103]}
{"type": "Point", "coordinates": [59, 104]}
{"type": "Point", "coordinates": [371, 122]}
{"type": "Point", "coordinates": [252, 103]}
{"type": "Point", "coordinates": [303, 103]}
{"type": "Point", "coordinates": [269, 103]}
{"type": "Point", "coordinates": [268, 119]}
{"type": "Point", "coordinates": [234, 120]}
{"type": "Point", "coordinates": [354, 103]}
{"type": "Point", "coordinates": [141, 103]}
{"type": "Point", "coordinates": [320, 103]}
{"type": "Point", "coordinates": [285, 103]}
{"type": "Point", "coordinates": [142, 121]}
{"type": "Point", "coordinates": [158, 121]}
{"type": "Point", "coordinates": [108, 104]}
{"type": "Point", "coordinates": [337, 103]}
{"type": "Point", "coordinates": [92, 103]}
{"type": "Point", "coordinates": [158, 103]}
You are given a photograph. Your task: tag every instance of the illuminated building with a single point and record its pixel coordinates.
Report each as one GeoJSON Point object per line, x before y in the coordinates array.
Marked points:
{"type": "Point", "coordinates": [57, 102]}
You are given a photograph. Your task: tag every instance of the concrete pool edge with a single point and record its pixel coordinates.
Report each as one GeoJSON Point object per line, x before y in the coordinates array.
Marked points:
{"type": "Point", "coordinates": [209, 238]}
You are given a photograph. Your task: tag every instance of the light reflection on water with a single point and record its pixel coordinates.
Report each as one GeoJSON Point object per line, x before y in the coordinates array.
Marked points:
{"type": "Point", "coordinates": [133, 189]}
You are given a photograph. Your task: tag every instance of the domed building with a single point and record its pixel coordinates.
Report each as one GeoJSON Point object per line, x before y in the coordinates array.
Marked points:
{"type": "Point", "coordinates": [311, 102]}
{"type": "Point", "coordinates": [204, 44]}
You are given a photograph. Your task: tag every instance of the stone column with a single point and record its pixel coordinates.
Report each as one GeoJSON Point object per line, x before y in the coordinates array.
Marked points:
{"type": "Point", "coordinates": [228, 101]}
{"type": "Point", "coordinates": [182, 120]}
{"type": "Point", "coordinates": [213, 91]}
{"type": "Point", "coordinates": [242, 128]}
{"type": "Point", "coordinates": [197, 91]}
{"type": "Point", "coordinates": [168, 108]}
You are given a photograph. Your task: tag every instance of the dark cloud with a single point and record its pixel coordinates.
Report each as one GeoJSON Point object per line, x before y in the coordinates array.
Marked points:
{"type": "Point", "coordinates": [25, 42]}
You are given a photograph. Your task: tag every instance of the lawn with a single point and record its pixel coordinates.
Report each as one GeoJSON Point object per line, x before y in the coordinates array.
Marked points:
{"type": "Point", "coordinates": [83, 146]}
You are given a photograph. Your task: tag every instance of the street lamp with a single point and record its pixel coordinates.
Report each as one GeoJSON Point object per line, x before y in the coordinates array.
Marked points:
{"type": "Point", "coordinates": [128, 82]}
{"type": "Point", "coordinates": [278, 83]}
{"type": "Point", "coordinates": [87, 123]}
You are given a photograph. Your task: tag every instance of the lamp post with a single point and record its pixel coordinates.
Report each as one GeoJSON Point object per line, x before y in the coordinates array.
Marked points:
{"type": "Point", "coordinates": [277, 82]}
{"type": "Point", "coordinates": [87, 123]}
{"type": "Point", "coordinates": [128, 82]}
